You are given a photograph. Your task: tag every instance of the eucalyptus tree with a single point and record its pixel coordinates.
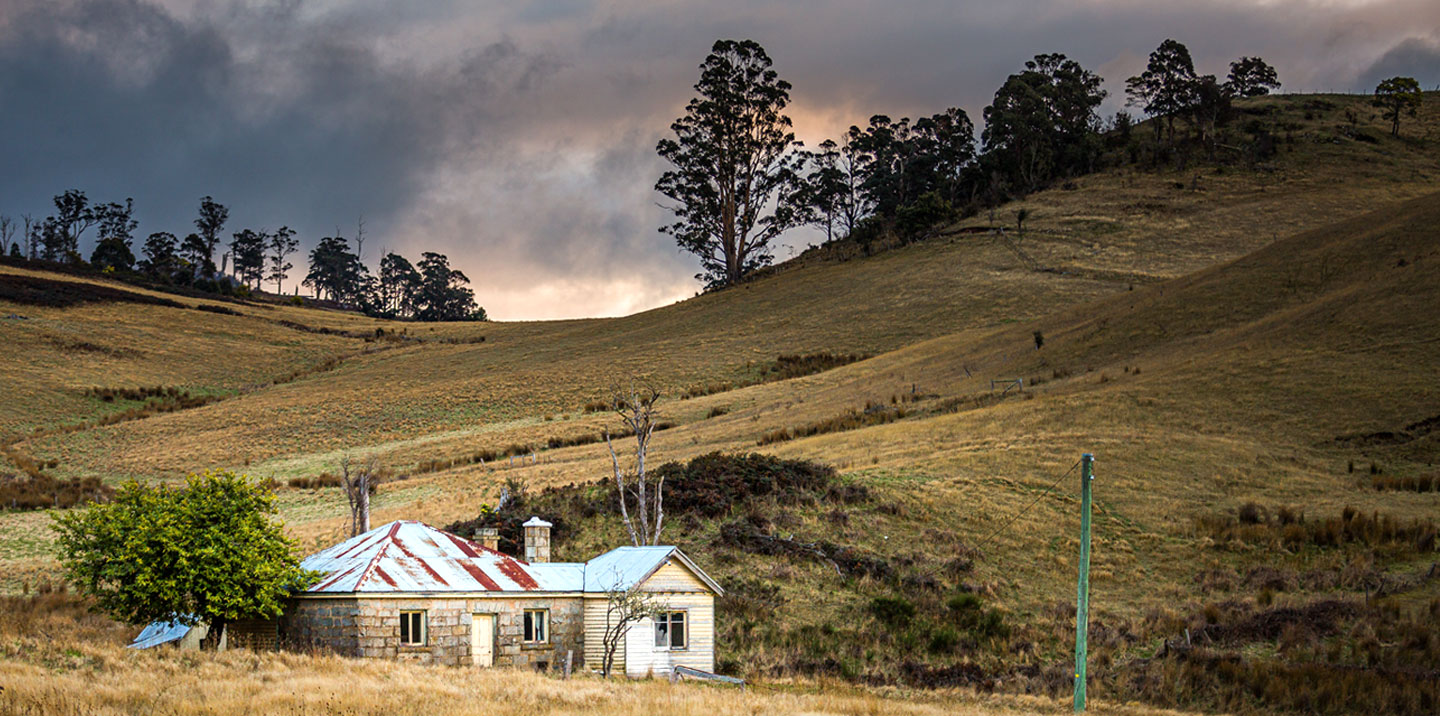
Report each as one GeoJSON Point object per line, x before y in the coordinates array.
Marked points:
{"type": "Point", "coordinates": [282, 243]}
{"type": "Point", "coordinates": [733, 185]}
{"type": "Point", "coordinates": [208, 225]}
{"type": "Point", "coordinates": [1167, 86]}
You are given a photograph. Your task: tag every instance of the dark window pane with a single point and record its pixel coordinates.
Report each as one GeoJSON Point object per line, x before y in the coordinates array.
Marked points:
{"type": "Point", "coordinates": [677, 630]}
{"type": "Point", "coordinates": [529, 626]}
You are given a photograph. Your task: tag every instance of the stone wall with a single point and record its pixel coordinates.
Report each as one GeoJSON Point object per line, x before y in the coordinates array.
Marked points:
{"type": "Point", "coordinates": [322, 625]}
{"type": "Point", "coordinates": [371, 628]}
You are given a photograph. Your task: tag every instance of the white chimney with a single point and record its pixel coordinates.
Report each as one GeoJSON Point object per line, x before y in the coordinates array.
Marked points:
{"type": "Point", "coordinates": [537, 540]}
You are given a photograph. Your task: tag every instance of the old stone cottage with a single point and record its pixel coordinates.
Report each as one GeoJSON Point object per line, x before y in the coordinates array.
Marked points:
{"type": "Point", "coordinates": [406, 590]}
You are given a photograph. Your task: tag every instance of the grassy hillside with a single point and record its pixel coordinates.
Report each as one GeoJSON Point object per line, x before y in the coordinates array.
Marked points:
{"type": "Point", "coordinates": [1238, 350]}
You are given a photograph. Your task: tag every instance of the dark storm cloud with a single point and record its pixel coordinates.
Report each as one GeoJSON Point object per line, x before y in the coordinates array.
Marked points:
{"type": "Point", "coordinates": [1417, 57]}
{"type": "Point", "coordinates": [519, 137]}
{"type": "Point", "coordinates": [308, 127]}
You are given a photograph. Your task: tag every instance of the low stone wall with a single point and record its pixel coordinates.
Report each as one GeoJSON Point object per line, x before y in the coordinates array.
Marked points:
{"type": "Point", "coordinates": [371, 628]}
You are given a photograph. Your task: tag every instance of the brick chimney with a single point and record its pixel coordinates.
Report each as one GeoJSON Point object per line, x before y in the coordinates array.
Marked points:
{"type": "Point", "coordinates": [488, 537]}
{"type": "Point", "coordinates": [537, 540]}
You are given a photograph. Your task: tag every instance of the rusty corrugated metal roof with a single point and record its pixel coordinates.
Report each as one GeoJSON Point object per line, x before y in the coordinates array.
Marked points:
{"type": "Point", "coordinates": [409, 556]}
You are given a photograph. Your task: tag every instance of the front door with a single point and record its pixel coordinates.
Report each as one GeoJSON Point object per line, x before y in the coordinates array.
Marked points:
{"type": "Point", "coordinates": [482, 639]}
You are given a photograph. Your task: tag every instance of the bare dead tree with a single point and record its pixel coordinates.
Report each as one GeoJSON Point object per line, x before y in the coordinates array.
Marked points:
{"type": "Point", "coordinates": [358, 480]}
{"type": "Point", "coordinates": [636, 408]}
{"type": "Point", "coordinates": [360, 238]}
{"type": "Point", "coordinates": [7, 230]}
{"type": "Point", "coordinates": [32, 240]}
{"type": "Point", "coordinates": [624, 608]}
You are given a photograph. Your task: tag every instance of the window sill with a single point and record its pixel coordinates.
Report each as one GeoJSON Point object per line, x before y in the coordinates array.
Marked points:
{"type": "Point", "coordinates": [535, 645]}
{"type": "Point", "coordinates": [659, 649]}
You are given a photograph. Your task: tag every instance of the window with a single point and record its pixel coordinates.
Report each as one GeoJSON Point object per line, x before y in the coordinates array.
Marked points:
{"type": "Point", "coordinates": [537, 626]}
{"type": "Point", "coordinates": [412, 628]}
{"type": "Point", "coordinates": [670, 630]}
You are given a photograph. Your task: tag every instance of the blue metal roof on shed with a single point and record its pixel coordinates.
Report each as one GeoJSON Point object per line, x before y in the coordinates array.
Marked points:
{"type": "Point", "coordinates": [157, 633]}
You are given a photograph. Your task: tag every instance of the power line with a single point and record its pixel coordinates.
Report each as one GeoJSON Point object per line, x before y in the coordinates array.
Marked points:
{"type": "Point", "coordinates": [1025, 509]}
{"type": "Point", "coordinates": [1016, 516]}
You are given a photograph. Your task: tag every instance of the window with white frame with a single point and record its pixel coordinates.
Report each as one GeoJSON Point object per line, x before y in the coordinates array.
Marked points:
{"type": "Point", "coordinates": [412, 628]}
{"type": "Point", "coordinates": [670, 631]}
{"type": "Point", "coordinates": [537, 626]}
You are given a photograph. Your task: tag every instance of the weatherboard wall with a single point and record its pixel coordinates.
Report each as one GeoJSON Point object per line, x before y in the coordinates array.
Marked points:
{"type": "Point", "coordinates": [676, 588]}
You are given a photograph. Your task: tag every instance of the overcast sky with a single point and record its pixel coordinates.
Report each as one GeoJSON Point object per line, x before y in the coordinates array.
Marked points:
{"type": "Point", "coordinates": [519, 138]}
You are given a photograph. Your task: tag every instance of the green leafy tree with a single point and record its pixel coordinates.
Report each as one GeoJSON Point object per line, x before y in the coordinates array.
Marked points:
{"type": "Point", "coordinates": [282, 244]}
{"type": "Point", "coordinates": [1251, 77]}
{"type": "Point", "coordinates": [733, 185]}
{"type": "Point", "coordinates": [399, 285]}
{"type": "Point", "coordinates": [945, 142]}
{"type": "Point", "coordinates": [1018, 133]}
{"type": "Point", "coordinates": [197, 256]}
{"type": "Point", "coordinates": [55, 242]}
{"type": "Point", "coordinates": [884, 148]}
{"type": "Point", "coordinates": [1167, 86]}
{"type": "Point", "coordinates": [335, 271]}
{"type": "Point", "coordinates": [207, 552]}
{"type": "Point", "coordinates": [1397, 96]}
{"type": "Point", "coordinates": [248, 249]}
{"type": "Point", "coordinates": [1210, 109]}
{"type": "Point", "coordinates": [73, 216]}
{"type": "Point", "coordinates": [208, 226]}
{"type": "Point", "coordinates": [114, 254]}
{"type": "Point", "coordinates": [443, 295]}
{"type": "Point", "coordinates": [160, 262]}
{"type": "Point", "coordinates": [1043, 123]}
{"type": "Point", "coordinates": [824, 190]}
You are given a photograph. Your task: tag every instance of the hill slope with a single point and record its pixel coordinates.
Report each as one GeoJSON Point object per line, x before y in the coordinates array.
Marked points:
{"type": "Point", "coordinates": [1205, 363]}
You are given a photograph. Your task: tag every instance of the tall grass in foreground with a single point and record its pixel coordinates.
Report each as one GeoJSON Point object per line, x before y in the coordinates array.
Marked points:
{"type": "Point", "coordinates": [55, 658]}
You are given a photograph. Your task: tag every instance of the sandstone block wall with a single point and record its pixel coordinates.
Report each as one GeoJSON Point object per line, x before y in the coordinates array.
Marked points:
{"type": "Point", "coordinates": [371, 628]}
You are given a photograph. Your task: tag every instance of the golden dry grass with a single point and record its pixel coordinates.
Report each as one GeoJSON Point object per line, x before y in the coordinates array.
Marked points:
{"type": "Point", "coordinates": [1225, 375]}
{"type": "Point", "coordinates": [58, 662]}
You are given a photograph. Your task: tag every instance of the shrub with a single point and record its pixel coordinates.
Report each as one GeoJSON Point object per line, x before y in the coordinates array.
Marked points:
{"type": "Point", "coordinates": [894, 612]}
{"type": "Point", "coordinates": [850, 420]}
{"type": "Point", "coordinates": [944, 640]}
{"type": "Point", "coordinates": [915, 221]}
{"type": "Point", "coordinates": [710, 485]}
{"type": "Point", "coordinates": [38, 491]}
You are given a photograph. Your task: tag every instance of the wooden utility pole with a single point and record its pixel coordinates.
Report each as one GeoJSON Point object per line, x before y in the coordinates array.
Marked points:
{"type": "Point", "coordinates": [1082, 598]}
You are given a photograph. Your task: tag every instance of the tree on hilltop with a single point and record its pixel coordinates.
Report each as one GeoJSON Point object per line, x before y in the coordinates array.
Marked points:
{"type": "Point", "coordinates": [1167, 86]}
{"type": "Point", "coordinates": [1251, 77]}
{"type": "Point", "coordinates": [1397, 96]}
{"type": "Point", "coordinates": [734, 175]}
{"type": "Point", "coordinates": [335, 271]}
{"type": "Point", "coordinates": [115, 229]}
{"type": "Point", "coordinates": [247, 247]}
{"type": "Point", "coordinates": [443, 294]}
{"type": "Point", "coordinates": [282, 243]}
{"type": "Point", "coordinates": [208, 226]}
{"type": "Point", "coordinates": [161, 261]}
